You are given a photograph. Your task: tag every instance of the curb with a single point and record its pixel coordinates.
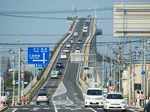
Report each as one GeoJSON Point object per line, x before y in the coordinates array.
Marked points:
{"type": "Point", "coordinates": [137, 109]}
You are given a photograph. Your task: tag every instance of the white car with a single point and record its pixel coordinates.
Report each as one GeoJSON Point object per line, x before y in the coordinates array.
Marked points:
{"type": "Point", "coordinates": [42, 97]}
{"type": "Point", "coordinates": [75, 34]}
{"type": "Point", "coordinates": [68, 45]}
{"type": "Point", "coordinates": [66, 50]}
{"type": "Point", "coordinates": [84, 30]}
{"type": "Point", "coordinates": [94, 97]}
{"type": "Point", "coordinates": [115, 101]}
{"type": "Point", "coordinates": [63, 56]}
{"type": "Point", "coordinates": [77, 51]}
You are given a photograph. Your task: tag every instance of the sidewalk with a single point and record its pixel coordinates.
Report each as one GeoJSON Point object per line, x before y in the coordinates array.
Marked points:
{"type": "Point", "coordinates": [138, 109]}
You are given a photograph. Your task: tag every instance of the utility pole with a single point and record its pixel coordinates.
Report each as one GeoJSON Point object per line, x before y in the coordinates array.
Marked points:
{"type": "Point", "coordinates": [22, 77]}
{"type": "Point", "coordinates": [144, 69]}
{"type": "Point", "coordinates": [0, 80]}
{"type": "Point", "coordinates": [13, 82]}
{"type": "Point", "coordinates": [12, 54]}
{"type": "Point", "coordinates": [19, 76]}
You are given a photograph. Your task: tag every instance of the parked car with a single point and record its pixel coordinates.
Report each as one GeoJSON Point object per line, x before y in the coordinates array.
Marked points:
{"type": "Point", "coordinates": [147, 107]}
{"type": "Point", "coordinates": [94, 97]}
{"type": "Point", "coordinates": [42, 97]}
{"type": "Point", "coordinates": [115, 101]}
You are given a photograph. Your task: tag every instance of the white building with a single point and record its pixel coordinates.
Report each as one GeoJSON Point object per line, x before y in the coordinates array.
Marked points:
{"type": "Point", "coordinates": [131, 19]}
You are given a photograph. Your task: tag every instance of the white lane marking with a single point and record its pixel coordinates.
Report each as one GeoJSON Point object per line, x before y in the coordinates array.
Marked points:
{"type": "Point", "coordinates": [131, 109]}
{"type": "Point", "coordinates": [54, 105]}
{"type": "Point", "coordinates": [15, 109]}
{"type": "Point", "coordinates": [60, 90]}
{"type": "Point", "coordinates": [92, 109]}
{"type": "Point", "coordinates": [36, 108]}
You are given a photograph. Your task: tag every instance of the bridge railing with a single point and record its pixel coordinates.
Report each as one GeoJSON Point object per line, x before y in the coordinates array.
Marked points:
{"type": "Point", "coordinates": [84, 81]}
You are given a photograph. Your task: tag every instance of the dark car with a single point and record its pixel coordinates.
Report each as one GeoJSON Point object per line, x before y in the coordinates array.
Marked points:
{"type": "Point", "coordinates": [147, 107]}
{"type": "Point", "coordinates": [59, 65]}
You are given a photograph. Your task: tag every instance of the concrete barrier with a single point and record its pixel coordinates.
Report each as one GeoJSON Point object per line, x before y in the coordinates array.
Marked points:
{"type": "Point", "coordinates": [84, 81]}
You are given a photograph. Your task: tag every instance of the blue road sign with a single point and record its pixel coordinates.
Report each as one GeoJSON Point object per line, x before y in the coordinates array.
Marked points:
{"type": "Point", "coordinates": [39, 56]}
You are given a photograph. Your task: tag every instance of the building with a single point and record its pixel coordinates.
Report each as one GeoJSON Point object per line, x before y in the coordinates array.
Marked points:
{"type": "Point", "coordinates": [131, 19]}
{"type": "Point", "coordinates": [133, 80]}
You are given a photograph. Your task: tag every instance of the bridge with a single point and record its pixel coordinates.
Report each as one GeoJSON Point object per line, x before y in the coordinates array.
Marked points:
{"type": "Point", "coordinates": [77, 52]}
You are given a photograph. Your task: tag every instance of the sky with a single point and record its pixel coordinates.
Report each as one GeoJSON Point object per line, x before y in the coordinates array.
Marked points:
{"type": "Point", "coordinates": [57, 27]}
{"type": "Point", "coordinates": [18, 25]}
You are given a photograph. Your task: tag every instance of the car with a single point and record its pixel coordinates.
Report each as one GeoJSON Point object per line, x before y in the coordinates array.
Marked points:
{"type": "Point", "coordinates": [63, 56]}
{"type": "Point", "coordinates": [115, 101]}
{"type": "Point", "coordinates": [94, 97]}
{"type": "Point", "coordinates": [54, 74]}
{"type": "Point", "coordinates": [71, 41]}
{"type": "Point", "coordinates": [84, 30]}
{"type": "Point", "coordinates": [42, 97]}
{"type": "Point", "coordinates": [66, 50]}
{"type": "Point", "coordinates": [77, 50]}
{"type": "Point", "coordinates": [68, 45]}
{"type": "Point", "coordinates": [147, 107]}
{"type": "Point", "coordinates": [59, 65]}
{"type": "Point", "coordinates": [85, 27]}
{"type": "Point", "coordinates": [75, 34]}
{"type": "Point", "coordinates": [79, 41]}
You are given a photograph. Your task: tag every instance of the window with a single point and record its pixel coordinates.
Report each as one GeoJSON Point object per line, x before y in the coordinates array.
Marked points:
{"type": "Point", "coordinates": [114, 96]}
{"type": "Point", "coordinates": [94, 92]}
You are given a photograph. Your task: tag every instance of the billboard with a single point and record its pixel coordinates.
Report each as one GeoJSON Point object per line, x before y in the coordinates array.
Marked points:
{"type": "Point", "coordinates": [131, 19]}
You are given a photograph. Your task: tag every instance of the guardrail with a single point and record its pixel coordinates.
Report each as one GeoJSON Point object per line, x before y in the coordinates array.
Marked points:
{"type": "Point", "coordinates": [57, 49]}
